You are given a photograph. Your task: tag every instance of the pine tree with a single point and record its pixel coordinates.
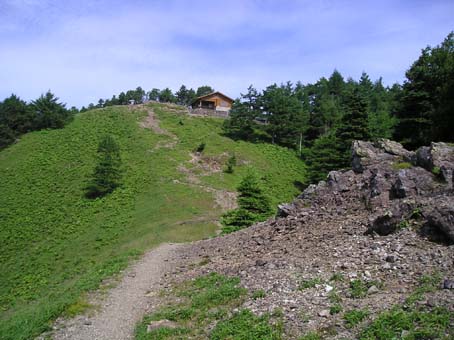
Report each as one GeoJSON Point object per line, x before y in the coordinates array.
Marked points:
{"type": "Point", "coordinates": [107, 173]}
{"type": "Point", "coordinates": [427, 106]}
{"type": "Point", "coordinates": [353, 125]}
{"type": "Point", "coordinates": [285, 116]}
{"type": "Point", "coordinates": [243, 115]}
{"type": "Point", "coordinates": [7, 136]}
{"type": "Point", "coordinates": [253, 205]}
{"type": "Point", "coordinates": [16, 114]}
{"type": "Point", "coordinates": [49, 113]}
{"type": "Point", "coordinates": [324, 156]}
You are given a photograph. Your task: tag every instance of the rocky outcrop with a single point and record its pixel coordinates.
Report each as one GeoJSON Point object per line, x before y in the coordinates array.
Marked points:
{"type": "Point", "coordinates": [386, 222]}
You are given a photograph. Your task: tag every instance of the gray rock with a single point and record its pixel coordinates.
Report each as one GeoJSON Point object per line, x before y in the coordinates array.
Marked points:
{"type": "Point", "coordinates": [448, 284]}
{"type": "Point", "coordinates": [372, 290]}
{"type": "Point", "coordinates": [260, 263]}
{"type": "Point", "coordinates": [324, 313]}
{"type": "Point", "coordinates": [390, 259]}
{"type": "Point", "coordinates": [441, 219]}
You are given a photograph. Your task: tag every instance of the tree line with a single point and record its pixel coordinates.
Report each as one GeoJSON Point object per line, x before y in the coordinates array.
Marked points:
{"type": "Point", "coordinates": [322, 119]}
{"type": "Point", "coordinates": [18, 117]}
{"type": "Point", "coordinates": [184, 96]}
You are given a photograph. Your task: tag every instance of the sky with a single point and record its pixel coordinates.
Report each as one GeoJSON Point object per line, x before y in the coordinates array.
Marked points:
{"type": "Point", "coordinates": [86, 50]}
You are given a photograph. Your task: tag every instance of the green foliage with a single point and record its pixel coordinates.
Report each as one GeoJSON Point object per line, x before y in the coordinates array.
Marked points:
{"type": "Point", "coordinates": [401, 165]}
{"type": "Point", "coordinates": [204, 90]}
{"type": "Point", "coordinates": [337, 277]}
{"type": "Point", "coordinates": [436, 171]}
{"type": "Point", "coordinates": [253, 205]}
{"type": "Point", "coordinates": [334, 297]}
{"type": "Point", "coordinates": [354, 317]}
{"type": "Point", "coordinates": [285, 115]}
{"type": "Point", "coordinates": [7, 136]}
{"type": "Point", "coordinates": [311, 336]}
{"type": "Point", "coordinates": [185, 96]}
{"type": "Point", "coordinates": [200, 147]}
{"type": "Point", "coordinates": [49, 113]}
{"type": "Point", "coordinates": [166, 96]}
{"type": "Point", "coordinates": [358, 288]}
{"type": "Point", "coordinates": [204, 300]}
{"type": "Point", "coordinates": [353, 125]}
{"type": "Point", "coordinates": [258, 294]}
{"type": "Point", "coordinates": [107, 174]}
{"type": "Point", "coordinates": [310, 283]}
{"type": "Point", "coordinates": [231, 163]}
{"type": "Point", "coordinates": [325, 156]}
{"type": "Point", "coordinates": [245, 325]}
{"type": "Point", "coordinates": [427, 103]}
{"type": "Point", "coordinates": [335, 309]}
{"type": "Point", "coordinates": [17, 117]}
{"type": "Point", "coordinates": [416, 323]}
{"type": "Point", "coordinates": [244, 114]}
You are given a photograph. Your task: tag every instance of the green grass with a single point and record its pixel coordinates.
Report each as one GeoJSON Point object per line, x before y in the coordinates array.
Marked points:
{"type": "Point", "coordinates": [311, 336]}
{"type": "Point", "coordinates": [310, 283]}
{"type": "Point", "coordinates": [359, 288]}
{"type": "Point", "coordinates": [354, 317]}
{"type": "Point", "coordinates": [258, 294]}
{"type": "Point", "coordinates": [56, 244]}
{"type": "Point", "coordinates": [415, 323]}
{"type": "Point", "coordinates": [206, 301]}
{"type": "Point", "coordinates": [401, 165]}
{"type": "Point", "coordinates": [245, 325]}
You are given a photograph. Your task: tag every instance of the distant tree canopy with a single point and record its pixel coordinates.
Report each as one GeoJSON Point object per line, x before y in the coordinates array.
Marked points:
{"type": "Point", "coordinates": [426, 106]}
{"type": "Point", "coordinates": [184, 96]}
{"type": "Point", "coordinates": [203, 90]}
{"type": "Point", "coordinates": [18, 117]}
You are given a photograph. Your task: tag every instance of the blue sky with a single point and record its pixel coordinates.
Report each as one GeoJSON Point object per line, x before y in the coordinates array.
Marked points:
{"type": "Point", "coordinates": [84, 50]}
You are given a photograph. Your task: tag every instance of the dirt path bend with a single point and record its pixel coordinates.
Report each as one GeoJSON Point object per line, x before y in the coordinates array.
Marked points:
{"type": "Point", "coordinates": [126, 303]}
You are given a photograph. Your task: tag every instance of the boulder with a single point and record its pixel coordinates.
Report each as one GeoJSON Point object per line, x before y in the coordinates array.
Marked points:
{"type": "Point", "coordinates": [395, 149]}
{"type": "Point", "coordinates": [440, 220]}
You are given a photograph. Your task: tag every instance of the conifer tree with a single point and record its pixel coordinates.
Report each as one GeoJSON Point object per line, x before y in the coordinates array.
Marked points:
{"type": "Point", "coordinates": [324, 156]}
{"type": "Point", "coordinates": [353, 125]}
{"type": "Point", "coordinates": [49, 113]}
{"type": "Point", "coordinates": [107, 173]}
{"type": "Point", "coordinates": [427, 103]}
{"type": "Point", "coordinates": [253, 205]}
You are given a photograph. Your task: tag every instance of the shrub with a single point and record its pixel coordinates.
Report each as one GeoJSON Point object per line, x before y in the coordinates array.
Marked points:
{"type": "Point", "coordinates": [231, 162]}
{"type": "Point", "coordinates": [107, 174]}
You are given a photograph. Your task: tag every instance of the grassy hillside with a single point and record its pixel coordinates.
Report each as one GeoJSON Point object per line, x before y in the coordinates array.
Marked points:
{"type": "Point", "coordinates": [56, 244]}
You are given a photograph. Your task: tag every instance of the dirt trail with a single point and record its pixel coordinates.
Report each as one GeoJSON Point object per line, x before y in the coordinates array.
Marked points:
{"type": "Point", "coordinates": [125, 304]}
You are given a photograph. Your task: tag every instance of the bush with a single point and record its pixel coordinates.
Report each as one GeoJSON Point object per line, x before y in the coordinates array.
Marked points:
{"type": "Point", "coordinates": [107, 174]}
{"type": "Point", "coordinates": [231, 162]}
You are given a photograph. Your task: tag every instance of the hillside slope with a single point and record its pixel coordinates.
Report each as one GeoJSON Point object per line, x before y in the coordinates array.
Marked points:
{"type": "Point", "coordinates": [57, 244]}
